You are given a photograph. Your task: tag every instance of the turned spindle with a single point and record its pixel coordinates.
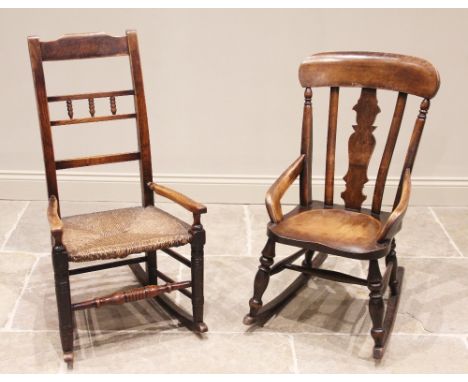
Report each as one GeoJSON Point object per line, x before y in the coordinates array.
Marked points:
{"type": "Point", "coordinates": [113, 105]}
{"type": "Point", "coordinates": [70, 108]}
{"type": "Point", "coordinates": [119, 298]}
{"type": "Point", "coordinates": [92, 109]}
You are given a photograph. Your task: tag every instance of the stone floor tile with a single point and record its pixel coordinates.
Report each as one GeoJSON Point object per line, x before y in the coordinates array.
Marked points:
{"type": "Point", "coordinates": [11, 211]}
{"type": "Point", "coordinates": [37, 308]}
{"type": "Point", "coordinates": [30, 352]}
{"type": "Point", "coordinates": [455, 221]}
{"type": "Point", "coordinates": [149, 352]}
{"type": "Point", "coordinates": [228, 288]}
{"type": "Point", "coordinates": [419, 233]}
{"type": "Point", "coordinates": [14, 268]}
{"type": "Point", "coordinates": [405, 354]}
{"type": "Point", "coordinates": [226, 231]}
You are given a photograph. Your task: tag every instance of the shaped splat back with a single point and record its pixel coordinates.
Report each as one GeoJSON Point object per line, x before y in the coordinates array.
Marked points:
{"type": "Point", "coordinates": [369, 71]}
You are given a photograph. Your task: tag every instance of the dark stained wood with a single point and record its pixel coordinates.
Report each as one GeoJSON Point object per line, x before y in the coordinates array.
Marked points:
{"type": "Point", "coordinates": [92, 119]}
{"type": "Point", "coordinates": [80, 46]}
{"type": "Point", "coordinates": [177, 256]}
{"type": "Point", "coordinates": [146, 169]}
{"type": "Point", "coordinates": [117, 93]}
{"type": "Point", "coordinates": [96, 160]}
{"type": "Point", "coordinates": [396, 72]}
{"type": "Point", "coordinates": [136, 294]}
{"type": "Point", "coordinates": [331, 145]}
{"type": "Point", "coordinates": [348, 230]}
{"type": "Point", "coordinates": [328, 274]}
{"type": "Point", "coordinates": [177, 197]}
{"type": "Point", "coordinates": [305, 185]}
{"type": "Point", "coordinates": [99, 46]}
{"type": "Point", "coordinates": [43, 112]}
{"type": "Point", "coordinates": [360, 148]}
{"type": "Point", "coordinates": [388, 152]}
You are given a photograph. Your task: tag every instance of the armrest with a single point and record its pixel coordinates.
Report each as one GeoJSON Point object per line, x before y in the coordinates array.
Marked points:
{"type": "Point", "coordinates": [184, 201]}
{"type": "Point", "coordinates": [55, 223]}
{"type": "Point", "coordinates": [277, 190]}
{"type": "Point", "coordinates": [393, 224]}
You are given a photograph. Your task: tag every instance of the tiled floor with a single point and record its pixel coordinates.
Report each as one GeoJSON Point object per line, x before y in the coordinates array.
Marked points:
{"type": "Point", "coordinates": [324, 329]}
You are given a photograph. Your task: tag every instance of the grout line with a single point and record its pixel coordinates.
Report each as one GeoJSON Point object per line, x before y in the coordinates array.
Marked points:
{"type": "Point", "coordinates": [12, 314]}
{"type": "Point", "coordinates": [248, 229]}
{"type": "Point", "coordinates": [293, 352]}
{"type": "Point", "coordinates": [445, 231]}
{"type": "Point", "coordinates": [10, 232]}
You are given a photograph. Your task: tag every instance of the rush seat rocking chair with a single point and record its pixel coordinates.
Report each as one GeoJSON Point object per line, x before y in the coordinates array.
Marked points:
{"type": "Point", "coordinates": [347, 230]}
{"type": "Point", "coordinates": [121, 232]}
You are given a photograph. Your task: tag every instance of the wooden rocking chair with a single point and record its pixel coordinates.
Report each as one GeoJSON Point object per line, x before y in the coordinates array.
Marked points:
{"type": "Point", "coordinates": [350, 230]}
{"type": "Point", "coordinates": [121, 232]}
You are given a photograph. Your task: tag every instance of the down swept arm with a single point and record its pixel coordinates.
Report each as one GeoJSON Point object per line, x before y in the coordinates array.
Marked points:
{"type": "Point", "coordinates": [277, 190]}
{"type": "Point", "coordinates": [393, 224]}
{"type": "Point", "coordinates": [55, 223]}
{"type": "Point", "coordinates": [196, 208]}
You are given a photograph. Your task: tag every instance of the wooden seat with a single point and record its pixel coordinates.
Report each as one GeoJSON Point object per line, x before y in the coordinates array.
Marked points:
{"type": "Point", "coordinates": [348, 230]}
{"type": "Point", "coordinates": [121, 232]}
{"type": "Point", "coordinates": [332, 230]}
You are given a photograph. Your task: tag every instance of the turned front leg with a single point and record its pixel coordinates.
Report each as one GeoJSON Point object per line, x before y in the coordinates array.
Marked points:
{"type": "Point", "coordinates": [262, 277]}
{"type": "Point", "coordinates": [376, 304]}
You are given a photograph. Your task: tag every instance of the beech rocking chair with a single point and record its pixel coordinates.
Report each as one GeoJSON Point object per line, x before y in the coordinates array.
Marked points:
{"type": "Point", "coordinates": [350, 230]}
{"type": "Point", "coordinates": [121, 232]}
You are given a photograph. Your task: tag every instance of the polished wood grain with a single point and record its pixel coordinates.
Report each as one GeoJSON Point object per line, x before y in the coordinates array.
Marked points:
{"type": "Point", "coordinates": [277, 190]}
{"type": "Point", "coordinates": [360, 148]}
{"type": "Point", "coordinates": [118, 93]}
{"type": "Point", "coordinates": [74, 121]}
{"type": "Point", "coordinates": [388, 71]}
{"type": "Point", "coordinates": [81, 46]}
{"type": "Point", "coordinates": [331, 145]}
{"type": "Point", "coordinates": [350, 230]}
{"type": "Point", "coordinates": [55, 223]}
{"type": "Point", "coordinates": [177, 197]}
{"type": "Point", "coordinates": [96, 160]}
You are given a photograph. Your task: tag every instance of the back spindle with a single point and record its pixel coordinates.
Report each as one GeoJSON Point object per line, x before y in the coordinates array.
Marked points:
{"type": "Point", "coordinates": [92, 109]}
{"type": "Point", "coordinates": [306, 148]}
{"type": "Point", "coordinates": [70, 108]}
{"type": "Point", "coordinates": [331, 145]}
{"type": "Point", "coordinates": [113, 105]}
{"type": "Point", "coordinates": [414, 144]}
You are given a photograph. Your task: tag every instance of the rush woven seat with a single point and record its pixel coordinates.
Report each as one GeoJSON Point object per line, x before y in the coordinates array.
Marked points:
{"type": "Point", "coordinates": [119, 233]}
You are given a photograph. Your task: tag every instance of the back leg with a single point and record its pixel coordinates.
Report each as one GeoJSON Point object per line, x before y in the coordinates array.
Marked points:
{"type": "Point", "coordinates": [391, 258]}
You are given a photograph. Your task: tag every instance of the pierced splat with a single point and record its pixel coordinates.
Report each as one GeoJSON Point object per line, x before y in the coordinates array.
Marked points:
{"type": "Point", "coordinates": [360, 147]}
{"type": "Point", "coordinates": [113, 105]}
{"type": "Point", "coordinates": [92, 109]}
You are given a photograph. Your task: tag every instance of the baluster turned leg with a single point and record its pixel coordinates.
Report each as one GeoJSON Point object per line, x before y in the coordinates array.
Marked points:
{"type": "Point", "coordinates": [391, 258]}
{"type": "Point", "coordinates": [261, 281]}
{"type": "Point", "coordinates": [376, 306]}
{"type": "Point", "coordinates": [198, 242]}
{"type": "Point", "coordinates": [151, 267]}
{"type": "Point", "coordinates": [62, 291]}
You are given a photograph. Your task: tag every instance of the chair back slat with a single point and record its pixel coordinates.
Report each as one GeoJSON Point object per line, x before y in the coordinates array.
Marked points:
{"type": "Point", "coordinates": [331, 145]}
{"type": "Point", "coordinates": [388, 152]}
{"type": "Point", "coordinates": [80, 46]}
{"type": "Point", "coordinates": [73, 121]}
{"type": "Point", "coordinates": [305, 185]}
{"type": "Point", "coordinates": [96, 160]}
{"type": "Point", "coordinates": [74, 97]}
